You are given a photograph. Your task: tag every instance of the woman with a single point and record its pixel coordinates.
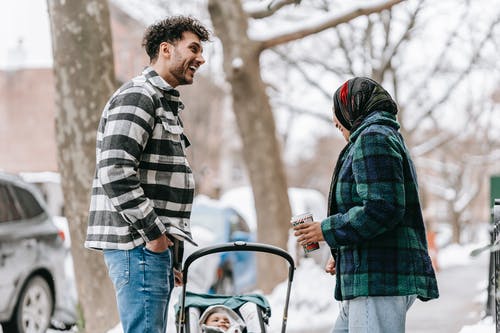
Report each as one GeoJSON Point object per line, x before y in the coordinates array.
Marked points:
{"type": "Point", "coordinates": [374, 225]}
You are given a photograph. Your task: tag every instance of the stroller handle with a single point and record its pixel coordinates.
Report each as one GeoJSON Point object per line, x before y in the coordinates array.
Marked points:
{"type": "Point", "coordinates": [237, 246]}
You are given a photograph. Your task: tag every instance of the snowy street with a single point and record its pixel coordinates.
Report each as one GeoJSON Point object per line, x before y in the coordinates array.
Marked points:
{"type": "Point", "coordinates": [462, 284]}
{"type": "Point", "coordinates": [462, 298]}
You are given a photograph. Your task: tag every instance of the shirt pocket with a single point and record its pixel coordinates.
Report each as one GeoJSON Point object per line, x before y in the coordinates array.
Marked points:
{"type": "Point", "coordinates": [171, 124]}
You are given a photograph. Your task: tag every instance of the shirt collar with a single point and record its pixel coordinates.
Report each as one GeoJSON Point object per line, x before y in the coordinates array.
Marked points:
{"type": "Point", "coordinates": [157, 81]}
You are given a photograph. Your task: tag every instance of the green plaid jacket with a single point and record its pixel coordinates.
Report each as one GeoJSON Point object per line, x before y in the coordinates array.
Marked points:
{"type": "Point", "coordinates": [375, 221]}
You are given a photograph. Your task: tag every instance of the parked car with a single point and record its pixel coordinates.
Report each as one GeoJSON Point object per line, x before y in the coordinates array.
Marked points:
{"type": "Point", "coordinates": [36, 291]}
{"type": "Point", "coordinates": [302, 200]}
{"type": "Point", "coordinates": [235, 272]}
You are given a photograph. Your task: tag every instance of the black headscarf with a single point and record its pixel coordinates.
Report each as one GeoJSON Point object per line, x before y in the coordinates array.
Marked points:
{"type": "Point", "coordinates": [359, 97]}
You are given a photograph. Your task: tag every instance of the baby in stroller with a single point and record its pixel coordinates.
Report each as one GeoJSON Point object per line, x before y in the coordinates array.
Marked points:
{"type": "Point", "coordinates": [220, 319]}
{"type": "Point", "coordinates": [207, 313]}
{"type": "Point", "coordinates": [253, 309]}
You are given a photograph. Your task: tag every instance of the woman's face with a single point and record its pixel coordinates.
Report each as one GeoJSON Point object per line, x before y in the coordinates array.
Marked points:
{"type": "Point", "coordinates": [342, 129]}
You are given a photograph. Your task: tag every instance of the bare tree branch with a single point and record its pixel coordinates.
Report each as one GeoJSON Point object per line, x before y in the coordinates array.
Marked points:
{"type": "Point", "coordinates": [338, 70]}
{"type": "Point", "coordinates": [345, 50]}
{"type": "Point", "coordinates": [386, 18]}
{"type": "Point", "coordinates": [327, 23]}
{"type": "Point", "coordinates": [368, 55]}
{"type": "Point", "coordinates": [440, 59]}
{"type": "Point", "coordinates": [443, 138]}
{"type": "Point", "coordinates": [268, 9]}
{"type": "Point", "coordinates": [390, 52]}
{"type": "Point", "coordinates": [432, 144]}
{"type": "Point", "coordinates": [312, 81]}
{"type": "Point", "coordinates": [430, 110]}
{"type": "Point", "coordinates": [297, 110]}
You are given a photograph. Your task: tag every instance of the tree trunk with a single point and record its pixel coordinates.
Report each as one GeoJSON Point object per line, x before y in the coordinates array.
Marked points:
{"type": "Point", "coordinates": [261, 149]}
{"type": "Point", "coordinates": [84, 76]}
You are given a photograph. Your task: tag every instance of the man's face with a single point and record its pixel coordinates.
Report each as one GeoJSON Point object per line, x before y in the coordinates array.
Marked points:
{"type": "Point", "coordinates": [185, 59]}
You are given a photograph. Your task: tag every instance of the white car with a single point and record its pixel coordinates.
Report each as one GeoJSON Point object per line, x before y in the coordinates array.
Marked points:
{"type": "Point", "coordinates": [35, 290]}
{"type": "Point", "coordinates": [302, 200]}
{"type": "Point", "coordinates": [214, 223]}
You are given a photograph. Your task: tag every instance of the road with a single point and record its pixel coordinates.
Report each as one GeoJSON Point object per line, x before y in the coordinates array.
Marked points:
{"type": "Point", "coordinates": [461, 302]}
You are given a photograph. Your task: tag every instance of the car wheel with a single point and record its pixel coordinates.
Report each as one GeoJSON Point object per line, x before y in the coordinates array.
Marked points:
{"type": "Point", "coordinates": [34, 308]}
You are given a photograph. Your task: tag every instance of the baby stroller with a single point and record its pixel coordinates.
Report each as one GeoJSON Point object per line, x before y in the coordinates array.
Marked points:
{"type": "Point", "coordinates": [249, 307]}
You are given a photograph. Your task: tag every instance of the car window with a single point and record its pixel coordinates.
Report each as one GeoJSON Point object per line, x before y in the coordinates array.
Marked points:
{"type": "Point", "coordinates": [9, 209]}
{"type": "Point", "coordinates": [29, 205]}
{"type": "Point", "coordinates": [211, 218]}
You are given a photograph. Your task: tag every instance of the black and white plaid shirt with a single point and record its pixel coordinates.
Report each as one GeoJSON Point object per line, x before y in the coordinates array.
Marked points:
{"type": "Point", "coordinates": [143, 186]}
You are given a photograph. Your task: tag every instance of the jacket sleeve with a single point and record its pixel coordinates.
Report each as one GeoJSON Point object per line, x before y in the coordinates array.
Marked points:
{"type": "Point", "coordinates": [130, 123]}
{"type": "Point", "coordinates": [378, 181]}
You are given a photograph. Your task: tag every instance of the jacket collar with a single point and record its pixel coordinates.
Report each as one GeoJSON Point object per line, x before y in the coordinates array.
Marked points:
{"type": "Point", "coordinates": [376, 118]}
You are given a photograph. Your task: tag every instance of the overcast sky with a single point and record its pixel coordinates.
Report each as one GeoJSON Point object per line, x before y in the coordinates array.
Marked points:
{"type": "Point", "coordinates": [26, 21]}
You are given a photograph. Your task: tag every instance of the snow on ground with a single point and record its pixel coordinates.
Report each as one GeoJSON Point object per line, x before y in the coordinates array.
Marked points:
{"type": "Point", "coordinates": [311, 301]}
{"type": "Point", "coordinates": [456, 255]}
{"type": "Point", "coordinates": [309, 307]}
{"type": "Point", "coordinates": [487, 325]}
{"type": "Point", "coordinates": [312, 307]}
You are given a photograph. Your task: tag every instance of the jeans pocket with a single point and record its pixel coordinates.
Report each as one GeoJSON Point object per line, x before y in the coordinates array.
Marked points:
{"type": "Point", "coordinates": [118, 263]}
{"type": "Point", "coordinates": [344, 309]}
{"type": "Point", "coordinates": [410, 299]}
{"type": "Point", "coordinates": [158, 272]}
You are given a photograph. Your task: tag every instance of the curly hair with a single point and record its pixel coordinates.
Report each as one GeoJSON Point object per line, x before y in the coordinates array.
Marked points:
{"type": "Point", "coordinates": [170, 30]}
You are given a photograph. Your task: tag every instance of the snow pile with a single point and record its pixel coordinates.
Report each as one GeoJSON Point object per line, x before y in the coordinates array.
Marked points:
{"type": "Point", "coordinates": [311, 306]}
{"type": "Point", "coordinates": [487, 325]}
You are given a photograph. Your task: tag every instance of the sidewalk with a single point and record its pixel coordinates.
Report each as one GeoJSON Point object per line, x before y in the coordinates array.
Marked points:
{"type": "Point", "coordinates": [462, 298]}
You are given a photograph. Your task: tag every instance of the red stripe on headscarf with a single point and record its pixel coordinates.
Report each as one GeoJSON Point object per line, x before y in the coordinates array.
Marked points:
{"type": "Point", "coordinates": [343, 93]}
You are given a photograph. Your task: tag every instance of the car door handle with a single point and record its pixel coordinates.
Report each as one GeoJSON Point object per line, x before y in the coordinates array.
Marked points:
{"type": "Point", "coordinates": [5, 255]}
{"type": "Point", "coordinates": [29, 243]}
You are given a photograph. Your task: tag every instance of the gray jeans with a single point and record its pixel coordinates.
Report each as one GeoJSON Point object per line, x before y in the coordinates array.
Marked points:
{"type": "Point", "coordinates": [373, 314]}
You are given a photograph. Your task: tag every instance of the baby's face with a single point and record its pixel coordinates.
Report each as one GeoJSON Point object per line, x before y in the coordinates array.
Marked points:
{"type": "Point", "coordinates": [219, 320]}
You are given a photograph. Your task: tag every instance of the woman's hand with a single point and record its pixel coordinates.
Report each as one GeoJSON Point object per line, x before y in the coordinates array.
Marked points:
{"type": "Point", "coordinates": [308, 232]}
{"type": "Point", "coordinates": [330, 266]}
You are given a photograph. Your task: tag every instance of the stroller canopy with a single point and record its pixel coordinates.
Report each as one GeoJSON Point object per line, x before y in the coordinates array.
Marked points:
{"type": "Point", "coordinates": [233, 302]}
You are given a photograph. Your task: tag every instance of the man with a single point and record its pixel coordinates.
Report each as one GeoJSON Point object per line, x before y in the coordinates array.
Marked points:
{"type": "Point", "coordinates": [143, 187]}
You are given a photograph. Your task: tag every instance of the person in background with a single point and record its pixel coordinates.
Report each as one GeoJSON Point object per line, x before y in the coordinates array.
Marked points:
{"type": "Point", "coordinates": [374, 225]}
{"type": "Point", "coordinates": [143, 186]}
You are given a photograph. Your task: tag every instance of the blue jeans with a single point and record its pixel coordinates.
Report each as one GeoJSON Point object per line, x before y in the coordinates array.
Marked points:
{"type": "Point", "coordinates": [383, 314]}
{"type": "Point", "coordinates": [143, 282]}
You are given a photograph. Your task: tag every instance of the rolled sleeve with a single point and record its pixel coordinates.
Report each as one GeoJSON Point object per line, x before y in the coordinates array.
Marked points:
{"type": "Point", "coordinates": [328, 229]}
